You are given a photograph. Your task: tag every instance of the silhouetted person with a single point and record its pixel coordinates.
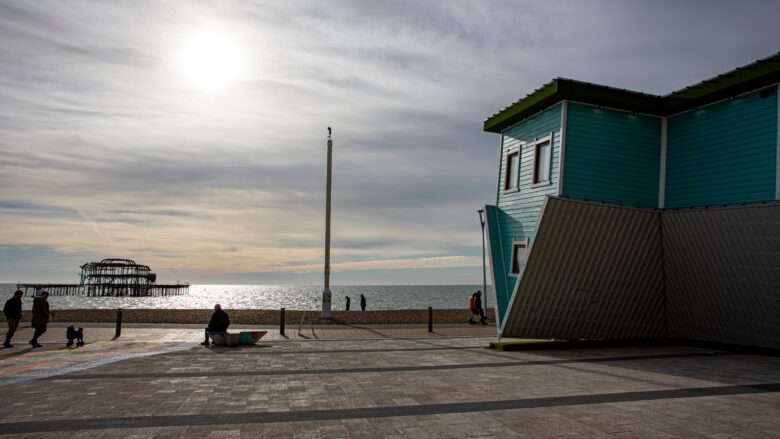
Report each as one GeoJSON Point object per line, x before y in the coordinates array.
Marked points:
{"type": "Point", "coordinates": [13, 315]}
{"type": "Point", "coordinates": [472, 307]}
{"type": "Point", "coordinates": [219, 322]}
{"type": "Point", "coordinates": [478, 307]}
{"type": "Point", "coordinates": [362, 302]}
{"type": "Point", "coordinates": [348, 302]}
{"type": "Point", "coordinates": [40, 317]}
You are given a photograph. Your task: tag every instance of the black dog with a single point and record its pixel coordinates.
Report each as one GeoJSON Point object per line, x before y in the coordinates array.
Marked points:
{"type": "Point", "coordinates": [73, 335]}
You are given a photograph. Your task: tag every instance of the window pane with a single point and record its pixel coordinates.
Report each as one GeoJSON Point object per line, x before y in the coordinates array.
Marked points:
{"type": "Point", "coordinates": [511, 171]}
{"type": "Point", "coordinates": [542, 167]}
{"type": "Point", "coordinates": [518, 258]}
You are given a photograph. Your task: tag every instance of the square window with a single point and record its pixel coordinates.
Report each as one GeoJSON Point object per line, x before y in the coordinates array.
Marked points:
{"type": "Point", "coordinates": [512, 169]}
{"type": "Point", "coordinates": [518, 257]}
{"type": "Point", "coordinates": [542, 162]}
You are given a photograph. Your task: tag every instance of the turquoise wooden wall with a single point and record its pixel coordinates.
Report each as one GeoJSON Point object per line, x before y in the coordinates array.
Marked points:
{"type": "Point", "coordinates": [518, 210]}
{"type": "Point", "coordinates": [497, 264]}
{"type": "Point", "coordinates": [611, 156]}
{"type": "Point", "coordinates": [723, 153]}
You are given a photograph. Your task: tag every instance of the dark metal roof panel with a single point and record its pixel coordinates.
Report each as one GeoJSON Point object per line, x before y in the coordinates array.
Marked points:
{"type": "Point", "coordinates": [723, 274]}
{"type": "Point", "coordinates": [594, 271]}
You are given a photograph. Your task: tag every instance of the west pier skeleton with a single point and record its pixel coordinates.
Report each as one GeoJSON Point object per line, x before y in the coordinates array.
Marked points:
{"type": "Point", "coordinates": [111, 277]}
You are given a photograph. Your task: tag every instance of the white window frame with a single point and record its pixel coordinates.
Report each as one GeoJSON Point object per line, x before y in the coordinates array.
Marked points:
{"type": "Point", "coordinates": [509, 152]}
{"type": "Point", "coordinates": [536, 143]}
{"type": "Point", "coordinates": [516, 244]}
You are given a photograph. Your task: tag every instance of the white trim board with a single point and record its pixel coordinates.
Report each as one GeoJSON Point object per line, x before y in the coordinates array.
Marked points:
{"type": "Point", "coordinates": [512, 259]}
{"type": "Point", "coordinates": [562, 153]}
{"type": "Point", "coordinates": [500, 159]}
{"type": "Point", "coordinates": [662, 167]}
{"type": "Point", "coordinates": [539, 140]}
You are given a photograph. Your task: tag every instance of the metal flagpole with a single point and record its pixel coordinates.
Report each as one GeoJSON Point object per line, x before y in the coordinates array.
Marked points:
{"type": "Point", "coordinates": [326, 295]}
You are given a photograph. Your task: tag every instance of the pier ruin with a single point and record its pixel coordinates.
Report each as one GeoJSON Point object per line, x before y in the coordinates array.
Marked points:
{"type": "Point", "coordinates": [111, 277]}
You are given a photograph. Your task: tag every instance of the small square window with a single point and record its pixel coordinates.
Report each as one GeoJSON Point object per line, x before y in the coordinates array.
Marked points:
{"type": "Point", "coordinates": [512, 169]}
{"type": "Point", "coordinates": [519, 250]}
{"type": "Point", "coordinates": [542, 162]}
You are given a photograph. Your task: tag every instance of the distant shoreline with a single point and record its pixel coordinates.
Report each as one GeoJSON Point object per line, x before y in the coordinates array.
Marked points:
{"type": "Point", "coordinates": [259, 316]}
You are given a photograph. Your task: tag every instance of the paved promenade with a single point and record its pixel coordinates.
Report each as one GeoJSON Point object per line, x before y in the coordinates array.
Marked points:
{"type": "Point", "coordinates": [384, 382]}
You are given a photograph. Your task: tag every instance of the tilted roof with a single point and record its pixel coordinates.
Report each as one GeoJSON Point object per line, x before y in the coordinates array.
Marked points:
{"type": "Point", "coordinates": [743, 79]}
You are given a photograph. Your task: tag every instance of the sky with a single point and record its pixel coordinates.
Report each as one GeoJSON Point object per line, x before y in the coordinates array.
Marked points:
{"type": "Point", "coordinates": [190, 136]}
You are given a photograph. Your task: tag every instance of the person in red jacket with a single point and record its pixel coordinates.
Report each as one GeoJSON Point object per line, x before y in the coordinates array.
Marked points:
{"type": "Point", "coordinates": [475, 305]}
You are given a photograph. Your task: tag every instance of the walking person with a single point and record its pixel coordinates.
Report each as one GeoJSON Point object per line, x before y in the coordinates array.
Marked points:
{"type": "Point", "coordinates": [472, 307]}
{"type": "Point", "coordinates": [478, 307]}
{"type": "Point", "coordinates": [348, 302]}
{"type": "Point", "coordinates": [218, 323]}
{"type": "Point", "coordinates": [13, 314]}
{"type": "Point", "coordinates": [362, 302]}
{"type": "Point", "coordinates": [40, 317]}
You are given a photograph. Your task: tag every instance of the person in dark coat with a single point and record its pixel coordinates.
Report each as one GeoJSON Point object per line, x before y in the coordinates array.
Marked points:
{"type": "Point", "coordinates": [478, 308]}
{"type": "Point", "coordinates": [219, 322]}
{"type": "Point", "coordinates": [348, 302]}
{"type": "Point", "coordinates": [362, 302]}
{"type": "Point", "coordinates": [40, 317]}
{"type": "Point", "coordinates": [13, 314]}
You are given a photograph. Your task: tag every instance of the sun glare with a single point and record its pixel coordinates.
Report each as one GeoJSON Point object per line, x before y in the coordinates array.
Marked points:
{"type": "Point", "coordinates": [210, 61]}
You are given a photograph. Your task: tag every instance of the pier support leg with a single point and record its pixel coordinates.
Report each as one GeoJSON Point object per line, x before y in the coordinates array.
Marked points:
{"type": "Point", "coordinates": [430, 319]}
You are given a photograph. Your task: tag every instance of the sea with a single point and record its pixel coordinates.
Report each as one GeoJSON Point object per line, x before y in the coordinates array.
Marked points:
{"type": "Point", "coordinates": [203, 296]}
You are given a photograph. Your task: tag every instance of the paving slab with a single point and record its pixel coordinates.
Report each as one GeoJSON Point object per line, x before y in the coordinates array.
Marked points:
{"type": "Point", "coordinates": [404, 386]}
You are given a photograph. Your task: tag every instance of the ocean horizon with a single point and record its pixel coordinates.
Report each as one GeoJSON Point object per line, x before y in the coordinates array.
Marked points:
{"type": "Point", "coordinates": [299, 297]}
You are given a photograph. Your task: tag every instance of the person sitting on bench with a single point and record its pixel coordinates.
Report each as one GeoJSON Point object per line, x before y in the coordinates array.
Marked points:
{"type": "Point", "coordinates": [219, 323]}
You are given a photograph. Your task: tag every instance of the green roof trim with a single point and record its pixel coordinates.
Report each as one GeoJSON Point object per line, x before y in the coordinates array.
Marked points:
{"type": "Point", "coordinates": [751, 77]}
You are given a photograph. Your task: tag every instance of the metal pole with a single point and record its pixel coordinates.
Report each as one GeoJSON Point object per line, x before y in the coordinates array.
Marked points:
{"type": "Point", "coordinates": [281, 322]}
{"type": "Point", "coordinates": [326, 295]}
{"type": "Point", "coordinates": [430, 319]}
{"type": "Point", "coordinates": [118, 323]}
{"type": "Point", "coordinates": [481, 213]}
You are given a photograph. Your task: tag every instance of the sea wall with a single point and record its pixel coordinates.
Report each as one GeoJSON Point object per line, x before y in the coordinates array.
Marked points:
{"type": "Point", "coordinates": [260, 316]}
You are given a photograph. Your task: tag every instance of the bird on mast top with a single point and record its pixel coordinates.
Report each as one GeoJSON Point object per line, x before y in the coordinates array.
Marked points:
{"type": "Point", "coordinates": [329, 132]}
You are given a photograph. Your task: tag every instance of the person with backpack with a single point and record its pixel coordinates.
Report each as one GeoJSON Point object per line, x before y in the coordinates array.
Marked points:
{"type": "Point", "coordinates": [472, 307]}
{"type": "Point", "coordinates": [475, 306]}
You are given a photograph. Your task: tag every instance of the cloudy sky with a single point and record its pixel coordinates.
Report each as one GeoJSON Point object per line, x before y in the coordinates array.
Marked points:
{"type": "Point", "coordinates": [190, 136]}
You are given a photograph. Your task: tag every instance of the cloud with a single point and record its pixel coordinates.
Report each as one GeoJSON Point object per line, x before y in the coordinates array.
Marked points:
{"type": "Point", "coordinates": [105, 151]}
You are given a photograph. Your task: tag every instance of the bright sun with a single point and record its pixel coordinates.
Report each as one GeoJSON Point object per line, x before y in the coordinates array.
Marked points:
{"type": "Point", "coordinates": [210, 61]}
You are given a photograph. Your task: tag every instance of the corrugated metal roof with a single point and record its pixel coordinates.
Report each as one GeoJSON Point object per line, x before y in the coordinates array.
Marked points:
{"type": "Point", "coordinates": [605, 271]}
{"type": "Point", "coordinates": [750, 77]}
{"type": "Point", "coordinates": [595, 271]}
{"type": "Point", "coordinates": [723, 274]}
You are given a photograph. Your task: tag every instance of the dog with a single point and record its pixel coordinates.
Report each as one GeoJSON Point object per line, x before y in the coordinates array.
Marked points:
{"type": "Point", "coordinates": [74, 336]}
